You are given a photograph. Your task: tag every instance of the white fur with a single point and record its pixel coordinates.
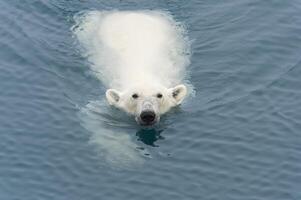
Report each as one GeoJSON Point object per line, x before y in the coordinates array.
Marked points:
{"type": "Point", "coordinates": [144, 52]}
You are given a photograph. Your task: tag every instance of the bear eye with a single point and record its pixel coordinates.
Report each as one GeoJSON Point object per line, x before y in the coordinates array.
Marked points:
{"type": "Point", "coordinates": [159, 95]}
{"type": "Point", "coordinates": [135, 96]}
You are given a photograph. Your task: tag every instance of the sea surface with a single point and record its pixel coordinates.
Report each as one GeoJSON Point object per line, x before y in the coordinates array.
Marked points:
{"type": "Point", "coordinates": [237, 138]}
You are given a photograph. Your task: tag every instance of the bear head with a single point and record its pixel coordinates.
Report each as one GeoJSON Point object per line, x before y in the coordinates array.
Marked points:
{"type": "Point", "coordinates": [147, 104]}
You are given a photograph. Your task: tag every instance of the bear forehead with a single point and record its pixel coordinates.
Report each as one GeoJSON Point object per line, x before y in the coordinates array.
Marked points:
{"type": "Point", "coordinates": [146, 90]}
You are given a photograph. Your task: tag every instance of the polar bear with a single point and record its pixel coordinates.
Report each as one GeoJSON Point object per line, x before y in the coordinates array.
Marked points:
{"type": "Point", "coordinates": [141, 56]}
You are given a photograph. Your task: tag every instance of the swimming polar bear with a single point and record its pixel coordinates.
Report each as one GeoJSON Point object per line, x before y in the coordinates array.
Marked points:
{"type": "Point", "coordinates": [141, 56]}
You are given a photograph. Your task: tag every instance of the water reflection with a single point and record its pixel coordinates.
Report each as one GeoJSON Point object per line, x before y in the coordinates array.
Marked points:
{"type": "Point", "coordinates": [149, 136]}
{"type": "Point", "coordinates": [112, 134]}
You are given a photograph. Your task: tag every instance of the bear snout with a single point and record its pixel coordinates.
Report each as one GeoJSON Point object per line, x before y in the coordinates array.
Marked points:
{"type": "Point", "coordinates": [148, 113]}
{"type": "Point", "coordinates": [148, 117]}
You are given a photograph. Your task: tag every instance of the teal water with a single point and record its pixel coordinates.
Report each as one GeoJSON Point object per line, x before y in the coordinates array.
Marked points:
{"type": "Point", "coordinates": [238, 138]}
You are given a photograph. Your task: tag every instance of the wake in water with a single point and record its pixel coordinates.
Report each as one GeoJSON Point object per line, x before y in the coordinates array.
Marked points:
{"type": "Point", "coordinates": [122, 47]}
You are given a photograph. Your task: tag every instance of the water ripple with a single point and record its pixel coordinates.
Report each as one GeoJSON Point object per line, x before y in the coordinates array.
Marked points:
{"type": "Point", "coordinates": [238, 138]}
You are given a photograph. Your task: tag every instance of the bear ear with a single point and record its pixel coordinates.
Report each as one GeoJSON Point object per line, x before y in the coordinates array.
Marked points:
{"type": "Point", "coordinates": [178, 93]}
{"type": "Point", "coordinates": [113, 96]}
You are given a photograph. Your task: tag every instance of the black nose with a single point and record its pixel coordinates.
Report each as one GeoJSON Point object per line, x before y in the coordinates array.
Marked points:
{"type": "Point", "coordinates": [148, 116]}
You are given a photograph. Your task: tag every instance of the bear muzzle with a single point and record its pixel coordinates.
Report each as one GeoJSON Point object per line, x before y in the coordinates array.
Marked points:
{"type": "Point", "coordinates": [148, 115]}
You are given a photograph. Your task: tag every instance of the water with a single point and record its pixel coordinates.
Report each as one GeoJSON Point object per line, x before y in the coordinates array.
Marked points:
{"type": "Point", "coordinates": [238, 138]}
